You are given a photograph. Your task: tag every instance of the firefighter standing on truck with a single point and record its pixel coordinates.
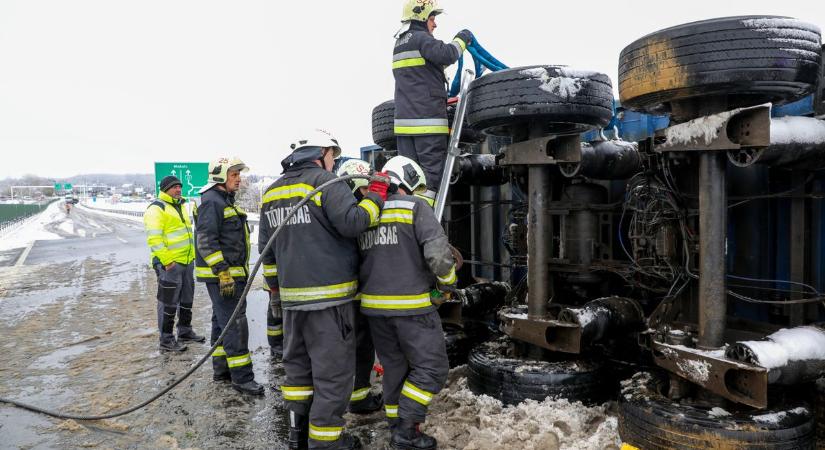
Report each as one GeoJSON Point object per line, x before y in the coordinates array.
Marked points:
{"type": "Point", "coordinates": [222, 243]}
{"type": "Point", "coordinates": [317, 279]}
{"type": "Point", "coordinates": [362, 400]}
{"type": "Point", "coordinates": [418, 61]}
{"type": "Point", "coordinates": [169, 235]}
{"type": "Point", "coordinates": [402, 260]}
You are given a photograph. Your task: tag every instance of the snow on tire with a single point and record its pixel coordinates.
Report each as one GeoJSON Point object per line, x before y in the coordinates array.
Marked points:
{"type": "Point", "coordinates": [648, 420]}
{"type": "Point", "coordinates": [748, 59]}
{"type": "Point", "coordinates": [511, 379]}
{"type": "Point", "coordinates": [563, 100]}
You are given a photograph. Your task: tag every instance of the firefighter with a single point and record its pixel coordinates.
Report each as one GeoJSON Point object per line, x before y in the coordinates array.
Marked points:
{"type": "Point", "coordinates": [169, 235]}
{"type": "Point", "coordinates": [362, 400]}
{"type": "Point", "coordinates": [421, 126]}
{"type": "Point", "coordinates": [222, 243]}
{"type": "Point", "coordinates": [402, 260]}
{"type": "Point", "coordinates": [318, 280]}
{"type": "Point", "coordinates": [274, 314]}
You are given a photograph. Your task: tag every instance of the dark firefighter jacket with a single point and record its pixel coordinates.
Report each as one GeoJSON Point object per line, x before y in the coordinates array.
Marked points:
{"type": "Point", "coordinates": [221, 237]}
{"type": "Point", "coordinates": [402, 258]}
{"type": "Point", "coordinates": [314, 260]}
{"type": "Point", "coordinates": [418, 63]}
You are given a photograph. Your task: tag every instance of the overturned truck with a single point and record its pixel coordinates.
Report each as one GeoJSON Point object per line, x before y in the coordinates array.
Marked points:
{"type": "Point", "coordinates": [666, 250]}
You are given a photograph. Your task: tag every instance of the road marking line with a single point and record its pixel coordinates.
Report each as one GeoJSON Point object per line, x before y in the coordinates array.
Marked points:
{"type": "Point", "coordinates": [122, 240]}
{"type": "Point", "coordinates": [24, 255]}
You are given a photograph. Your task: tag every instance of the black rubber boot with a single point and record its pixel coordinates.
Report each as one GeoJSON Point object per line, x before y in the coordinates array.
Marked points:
{"type": "Point", "coordinates": [277, 351]}
{"type": "Point", "coordinates": [298, 431]}
{"type": "Point", "coordinates": [169, 344]}
{"type": "Point", "coordinates": [250, 387]}
{"type": "Point", "coordinates": [227, 377]}
{"type": "Point", "coordinates": [407, 436]}
{"type": "Point", "coordinates": [347, 442]}
{"type": "Point", "coordinates": [190, 336]}
{"type": "Point", "coordinates": [369, 405]}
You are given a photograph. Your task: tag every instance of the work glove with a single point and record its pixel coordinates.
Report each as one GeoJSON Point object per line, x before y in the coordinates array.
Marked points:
{"type": "Point", "coordinates": [466, 36]}
{"type": "Point", "coordinates": [227, 284]}
{"type": "Point", "coordinates": [275, 302]}
{"type": "Point", "coordinates": [443, 293]}
{"type": "Point", "coordinates": [379, 184]}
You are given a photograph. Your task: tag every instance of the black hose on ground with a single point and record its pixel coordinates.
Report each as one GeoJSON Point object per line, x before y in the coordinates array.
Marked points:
{"type": "Point", "coordinates": [218, 341]}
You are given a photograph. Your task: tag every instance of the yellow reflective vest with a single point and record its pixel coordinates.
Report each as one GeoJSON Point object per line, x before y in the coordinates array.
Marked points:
{"type": "Point", "coordinates": [169, 231]}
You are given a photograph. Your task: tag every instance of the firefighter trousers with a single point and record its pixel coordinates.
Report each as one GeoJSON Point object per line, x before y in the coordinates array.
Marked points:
{"type": "Point", "coordinates": [275, 324]}
{"type": "Point", "coordinates": [364, 357]}
{"type": "Point", "coordinates": [232, 356]}
{"type": "Point", "coordinates": [176, 292]}
{"type": "Point", "coordinates": [319, 360]}
{"type": "Point", "coordinates": [414, 355]}
{"type": "Point", "coordinates": [430, 152]}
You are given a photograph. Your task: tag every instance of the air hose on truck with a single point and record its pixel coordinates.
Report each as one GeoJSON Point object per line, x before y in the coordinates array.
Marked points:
{"type": "Point", "coordinates": [218, 341]}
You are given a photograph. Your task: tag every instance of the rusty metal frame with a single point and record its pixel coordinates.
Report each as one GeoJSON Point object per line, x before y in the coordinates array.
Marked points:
{"type": "Point", "coordinates": [733, 380]}
{"type": "Point", "coordinates": [731, 131]}
{"type": "Point", "coordinates": [548, 150]}
{"type": "Point", "coordinates": [545, 333]}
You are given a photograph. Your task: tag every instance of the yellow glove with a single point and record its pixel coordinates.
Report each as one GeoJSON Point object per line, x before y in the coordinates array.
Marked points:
{"type": "Point", "coordinates": [227, 284]}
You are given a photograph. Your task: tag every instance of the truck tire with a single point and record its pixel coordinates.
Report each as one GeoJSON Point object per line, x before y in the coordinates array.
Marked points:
{"type": "Point", "coordinates": [468, 134]}
{"type": "Point", "coordinates": [564, 100]}
{"type": "Point", "coordinates": [461, 340]}
{"type": "Point", "coordinates": [819, 412]}
{"type": "Point", "coordinates": [383, 130]}
{"type": "Point", "coordinates": [648, 420]}
{"type": "Point", "coordinates": [383, 120]}
{"type": "Point", "coordinates": [513, 379]}
{"type": "Point", "coordinates": [749, 59]}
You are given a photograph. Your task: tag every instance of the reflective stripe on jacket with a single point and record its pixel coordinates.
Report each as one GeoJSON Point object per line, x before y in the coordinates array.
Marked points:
{"type": "Point", "coordinates": [418, 66]}
{"type": "Point", "coordinates": [169, 231]}
{"type": "Point", "coordinates": [314, 260]}
{"type": "Point", "coordinates": [402, 258]}
{"type": "Point", "coordinates": [221, 237]}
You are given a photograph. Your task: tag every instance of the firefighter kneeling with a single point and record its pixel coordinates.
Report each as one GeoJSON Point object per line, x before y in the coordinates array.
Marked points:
{"type": "Point", "coordinates": [402, 259]}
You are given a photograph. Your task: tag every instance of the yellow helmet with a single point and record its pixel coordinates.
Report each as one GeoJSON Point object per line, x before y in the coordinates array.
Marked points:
{"type": "Point", "coordinates": [420, 10]}
{"type": "Point", "coordinates": [219, 170]}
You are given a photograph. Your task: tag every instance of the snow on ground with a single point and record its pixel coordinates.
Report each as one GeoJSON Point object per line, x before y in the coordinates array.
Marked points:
{"type": "Point", "coordinates": [460, 419]}
{"type": "Point", "coordinates": [34, 229]}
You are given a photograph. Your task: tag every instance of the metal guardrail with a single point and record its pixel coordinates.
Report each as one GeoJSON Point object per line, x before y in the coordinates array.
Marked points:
{"type": "Point", "coordinates": [116, 211]}
{"type": "Point", "coordinates": [124, 212]}
{"type": "Point", "coordinates": [9, 225]}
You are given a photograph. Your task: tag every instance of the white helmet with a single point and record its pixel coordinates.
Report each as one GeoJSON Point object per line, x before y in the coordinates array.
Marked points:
{"type": "Point", "coordinates": [219, 170]}
{"type": "Point", "coordinates": [318, 138]}
{"type": "Point", "coordinates": [420, 10]}
{"type": "Point", "coordinates": [355, 167]}
{"type": "Point", "coordinates": [405, 172]}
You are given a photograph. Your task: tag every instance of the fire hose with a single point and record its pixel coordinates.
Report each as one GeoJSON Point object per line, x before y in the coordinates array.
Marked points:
{"type": "Point", "coordinates": [218, 341]}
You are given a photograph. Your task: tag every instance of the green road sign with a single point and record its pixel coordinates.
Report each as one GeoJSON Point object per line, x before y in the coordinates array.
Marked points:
{"type": "Point", "coordinates": [67, 187]}
{"type": "Point", "coordinates": [58, 187]}
{"type": "Point", "coordinates": [193, 175]}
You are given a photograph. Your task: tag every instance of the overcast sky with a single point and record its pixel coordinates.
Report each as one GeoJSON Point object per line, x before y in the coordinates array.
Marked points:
{"type": "Point", "coordinates": [112, 86]}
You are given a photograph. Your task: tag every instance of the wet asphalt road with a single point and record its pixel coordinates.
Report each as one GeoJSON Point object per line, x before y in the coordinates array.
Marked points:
{"type": "Point", "coordinates": [80, 335]}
